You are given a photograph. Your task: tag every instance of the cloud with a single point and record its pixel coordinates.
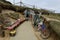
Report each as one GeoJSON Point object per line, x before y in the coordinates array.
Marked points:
{"type": "Point", "coordinates": [51, 4]}
{"type": "Point", "coordinates": [46, 4]}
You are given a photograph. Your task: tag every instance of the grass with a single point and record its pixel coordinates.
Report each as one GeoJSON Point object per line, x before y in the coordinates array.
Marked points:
{"type": "Point", "coordinates": [53, 16]}
{"type": "Point", "coordinates": [14, 15]}
{"type": "Point", "coordinates": [55, 26]}
{"type": "Point", "coordinates": [4, 20]}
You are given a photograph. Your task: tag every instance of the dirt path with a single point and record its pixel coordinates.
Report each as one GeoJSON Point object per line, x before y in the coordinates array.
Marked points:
{"type": "Point", "coordinates": [25, 32]}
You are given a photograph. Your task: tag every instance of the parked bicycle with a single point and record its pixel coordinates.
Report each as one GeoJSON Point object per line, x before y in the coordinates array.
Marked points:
{"type": "Point", "coordinates": [43, 29]}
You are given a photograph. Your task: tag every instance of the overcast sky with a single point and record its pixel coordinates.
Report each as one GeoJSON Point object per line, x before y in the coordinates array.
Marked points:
{"type": "Point", "coordinates": [45, 4]}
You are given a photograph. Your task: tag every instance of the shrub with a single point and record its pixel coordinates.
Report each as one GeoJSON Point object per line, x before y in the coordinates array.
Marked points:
{"type": "Point", "coordinates": [14, 15]}
{"type": "Point", "coordinates": [4, 20]}
{"type": "Point", "coordinates": [0, 9]}
{"type": "Point", "coordinates": [55, 26]}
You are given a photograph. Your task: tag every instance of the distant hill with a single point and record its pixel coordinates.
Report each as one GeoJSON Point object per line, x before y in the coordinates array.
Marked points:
{"type": "Point", "coordinates": [4, 1]}
{"type": "Point", "coordinates": [7, 5]}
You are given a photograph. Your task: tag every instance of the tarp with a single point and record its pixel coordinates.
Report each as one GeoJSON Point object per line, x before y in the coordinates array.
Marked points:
{"type": "Point", "coordinates": [15, 24]}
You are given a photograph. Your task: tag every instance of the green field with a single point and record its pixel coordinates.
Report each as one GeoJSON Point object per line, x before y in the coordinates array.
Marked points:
{"type": "Point", "coordinates": [54, 16]}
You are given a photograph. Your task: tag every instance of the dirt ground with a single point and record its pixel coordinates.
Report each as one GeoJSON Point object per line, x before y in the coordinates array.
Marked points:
{"type": "Point", "coordinates": [24, 32]}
